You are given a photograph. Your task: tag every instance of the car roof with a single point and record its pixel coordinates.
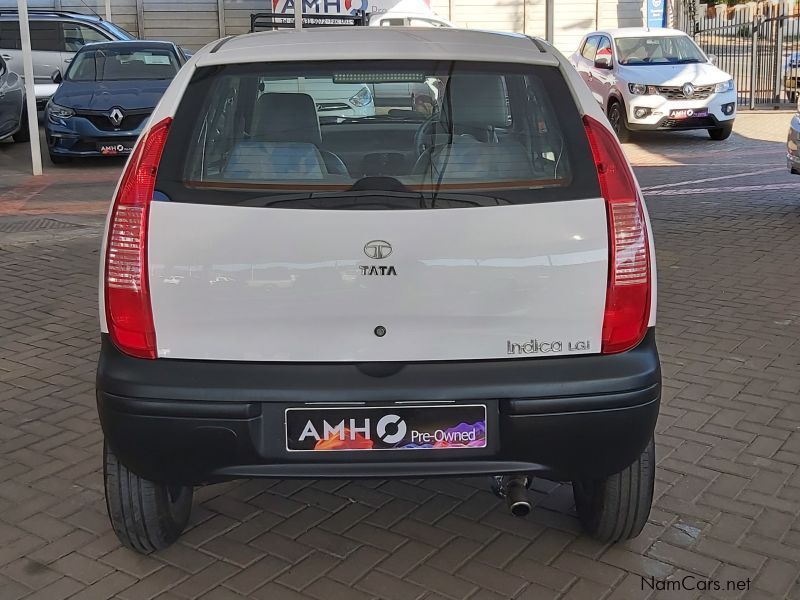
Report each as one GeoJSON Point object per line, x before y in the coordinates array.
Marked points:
{"type": "Point", "coordinates": [51, 16]}
{"type": "Point", "coordinates": [624, 32]}
{"type": "Point", "coordinates": [378, 43]}
{"type": "Point", "coordinates": [132, 45]}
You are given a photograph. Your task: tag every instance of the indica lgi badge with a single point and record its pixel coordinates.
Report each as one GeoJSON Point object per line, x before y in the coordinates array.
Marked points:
{"type": "Point", "coordinates": [386, 428]}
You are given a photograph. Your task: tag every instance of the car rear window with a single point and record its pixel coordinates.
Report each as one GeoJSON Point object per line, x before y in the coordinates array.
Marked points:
{"type": "Point", "coordinates": [382, 135]}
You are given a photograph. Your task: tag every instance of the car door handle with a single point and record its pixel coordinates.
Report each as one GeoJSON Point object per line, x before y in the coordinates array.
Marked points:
{"type": "Point", "coordinates": [6, 56]}
{"type": "Point", "coordinates": [67, 60]}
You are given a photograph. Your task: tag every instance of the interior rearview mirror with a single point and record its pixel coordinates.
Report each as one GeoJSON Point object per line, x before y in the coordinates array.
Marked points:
{"type": "Point", "coordinates": [56, 77]}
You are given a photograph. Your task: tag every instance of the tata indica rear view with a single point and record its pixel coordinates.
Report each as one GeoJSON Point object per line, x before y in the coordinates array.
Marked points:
{"type": "Point", "coordinates": [465, 290]}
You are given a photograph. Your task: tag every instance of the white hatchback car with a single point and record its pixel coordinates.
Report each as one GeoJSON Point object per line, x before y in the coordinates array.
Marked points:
{"type": "Point", "coordinates": [466, 293]}
{"type": "Point", "coordinates": [656, 79]}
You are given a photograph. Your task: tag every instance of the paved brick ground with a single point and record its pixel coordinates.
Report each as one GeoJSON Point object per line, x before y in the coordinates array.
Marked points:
{"type": "Point", "coordinates": [727, 225]}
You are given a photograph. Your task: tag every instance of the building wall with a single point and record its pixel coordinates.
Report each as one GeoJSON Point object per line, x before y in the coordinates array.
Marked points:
{"type": "Point", "coordinates": [196, 22]}
{"type": "Point", "coordinates": [190, 24]}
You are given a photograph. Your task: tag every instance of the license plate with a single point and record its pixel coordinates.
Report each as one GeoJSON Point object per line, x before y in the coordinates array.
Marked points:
{"type": "Point", "coordinates": [114, 149]}
{"type": "Point", "coordinates": [386, 428]}
{"type": "Point", "coordinates": [688, 113]}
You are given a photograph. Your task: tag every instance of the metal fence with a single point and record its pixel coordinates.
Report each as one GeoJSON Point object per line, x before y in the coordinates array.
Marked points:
{"type": "Point", "coordinates": [759, 45]}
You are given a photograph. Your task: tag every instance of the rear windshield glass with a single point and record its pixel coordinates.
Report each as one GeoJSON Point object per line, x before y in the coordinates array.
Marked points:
{"type": "Point", "coordinates": [106, 64]}
{"type": "Point", "coordinates": [432, 134]}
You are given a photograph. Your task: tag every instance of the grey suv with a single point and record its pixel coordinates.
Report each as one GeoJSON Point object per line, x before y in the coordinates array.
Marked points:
{"type": "Point", "coordinates": [55, 38]}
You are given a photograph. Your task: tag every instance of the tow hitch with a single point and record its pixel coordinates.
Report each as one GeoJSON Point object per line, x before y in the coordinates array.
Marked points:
{"type": "Point", "coordinates": [514, 488]}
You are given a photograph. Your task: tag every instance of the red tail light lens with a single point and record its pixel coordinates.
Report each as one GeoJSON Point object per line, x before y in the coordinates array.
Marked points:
{"type": "Point", "coordinates": [628, 293]}
{"type": "Point", "coordinates": [127, 293]}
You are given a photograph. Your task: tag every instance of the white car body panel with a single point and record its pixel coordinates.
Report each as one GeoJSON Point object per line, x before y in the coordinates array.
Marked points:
{"type": "Point", "coordinates": [460, 292]}
{"type": "Point", "coordinates": [673, 75]}
{"type": "Point", "coordinates": [562, 290]}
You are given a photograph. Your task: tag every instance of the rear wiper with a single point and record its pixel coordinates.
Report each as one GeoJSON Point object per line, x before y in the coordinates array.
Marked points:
{"type": "Point", "coordinates": [373, 199]}
{"type": "Point", "coordinates": [346, 199]}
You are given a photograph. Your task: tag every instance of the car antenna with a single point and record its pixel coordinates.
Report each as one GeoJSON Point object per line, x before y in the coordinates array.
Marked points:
{"type": "Point", "coordinates": [93, 11]}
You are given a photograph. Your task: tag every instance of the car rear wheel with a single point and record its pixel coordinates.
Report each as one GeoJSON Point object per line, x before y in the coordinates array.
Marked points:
{"type": "Point", "coordinates": [145, 515]}
{"type": "Point", "coordinates": [616, 507]}
{"type": "Point", "coordinates": [619, 122]}
{"type": "Point", "coordinates": [721, 133]}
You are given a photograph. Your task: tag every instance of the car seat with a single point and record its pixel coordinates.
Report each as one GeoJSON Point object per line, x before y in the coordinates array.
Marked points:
{"type": "Point", "coordinates": [465, 143]}
{"type": "Point", "coordinates": [292, 117]}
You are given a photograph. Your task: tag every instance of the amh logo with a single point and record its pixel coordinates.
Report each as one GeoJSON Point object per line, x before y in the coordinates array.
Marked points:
{"type": "Point", "coordinates": [399, 425]}
{"type": "Point", "coordinates": [330, 7]}
{"type": "Point", "coordinates": [390, 429]}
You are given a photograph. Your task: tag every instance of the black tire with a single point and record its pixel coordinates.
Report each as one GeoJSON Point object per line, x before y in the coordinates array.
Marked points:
{"type": "Point", "coordinates": [721, 133]}
{"type": "Point", "coordinates": [616, 508]}
{"type": "Point", "coordinates": [619, 121]}
{"type": "Point", "coordinates": [146, 516]}
{"type": "Point", "coordinates": [24, 133]}
{"type": "Point", "coordinates": [59, 160]}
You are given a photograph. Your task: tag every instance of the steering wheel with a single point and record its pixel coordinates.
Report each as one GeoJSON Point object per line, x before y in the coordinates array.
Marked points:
{"type": "Point", "coordinates": [422, 139]}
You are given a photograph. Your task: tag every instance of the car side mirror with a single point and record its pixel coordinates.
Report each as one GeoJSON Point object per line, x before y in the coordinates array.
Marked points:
{"type": "Point", "coordinates": [602, 62]}
{"type": "Point", "coordinates": [712, 59]}
{"type": "Point", "coordinates": [56, 77]}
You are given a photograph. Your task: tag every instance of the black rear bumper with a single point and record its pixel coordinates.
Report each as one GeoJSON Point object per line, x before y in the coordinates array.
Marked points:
{"type": "Point", "coordinates": [196, 422]}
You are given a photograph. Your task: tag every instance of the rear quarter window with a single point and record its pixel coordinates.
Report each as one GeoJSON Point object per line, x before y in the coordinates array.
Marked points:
{"type": "Point", "coordinates": [321, 135]}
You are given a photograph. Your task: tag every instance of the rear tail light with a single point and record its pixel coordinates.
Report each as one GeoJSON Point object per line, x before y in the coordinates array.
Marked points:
{"type": "Point", "coordinates": [628, 292]}
{"type": "Point", "coordinates": [127, 293]}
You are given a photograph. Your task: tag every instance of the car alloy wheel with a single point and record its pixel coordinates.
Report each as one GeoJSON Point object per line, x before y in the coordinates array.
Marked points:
{"type": "Point", "coordinates": [617, 120]}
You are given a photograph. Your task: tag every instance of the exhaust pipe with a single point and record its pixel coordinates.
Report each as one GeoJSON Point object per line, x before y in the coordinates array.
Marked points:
{"type": "Point", "coordinates": [514, 488]}
{"type": "Point", "coordinates": [517, 496]}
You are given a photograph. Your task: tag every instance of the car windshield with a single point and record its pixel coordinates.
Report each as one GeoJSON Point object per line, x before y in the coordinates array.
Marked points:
{"type": "Point", "coordinates": [113, 64]}
{"type": "Point", "coordinates": [661, 50]}
{"type": "Point", "coordinates": [386, 133]}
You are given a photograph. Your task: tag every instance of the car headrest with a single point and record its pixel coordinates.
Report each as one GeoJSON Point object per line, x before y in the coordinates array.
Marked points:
{"type": "Point", "coordinates": [286, 118]}
{"type": "Point", "coordinates": [475, 100]}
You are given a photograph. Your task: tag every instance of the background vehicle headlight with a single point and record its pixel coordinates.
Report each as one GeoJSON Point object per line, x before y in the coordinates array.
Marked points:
{"type": "Point", "coordinates": [362, 98]}
{"type": "Point", "coordinates": [57, 113]}
{"type": "Point", "coordinates": [725, 86]}
{"type": "Point", "coordinates": [640, 89]}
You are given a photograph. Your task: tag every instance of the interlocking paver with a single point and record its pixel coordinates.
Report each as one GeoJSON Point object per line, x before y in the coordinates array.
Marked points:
{"type": "Point", "coordinates": [728, 484]}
